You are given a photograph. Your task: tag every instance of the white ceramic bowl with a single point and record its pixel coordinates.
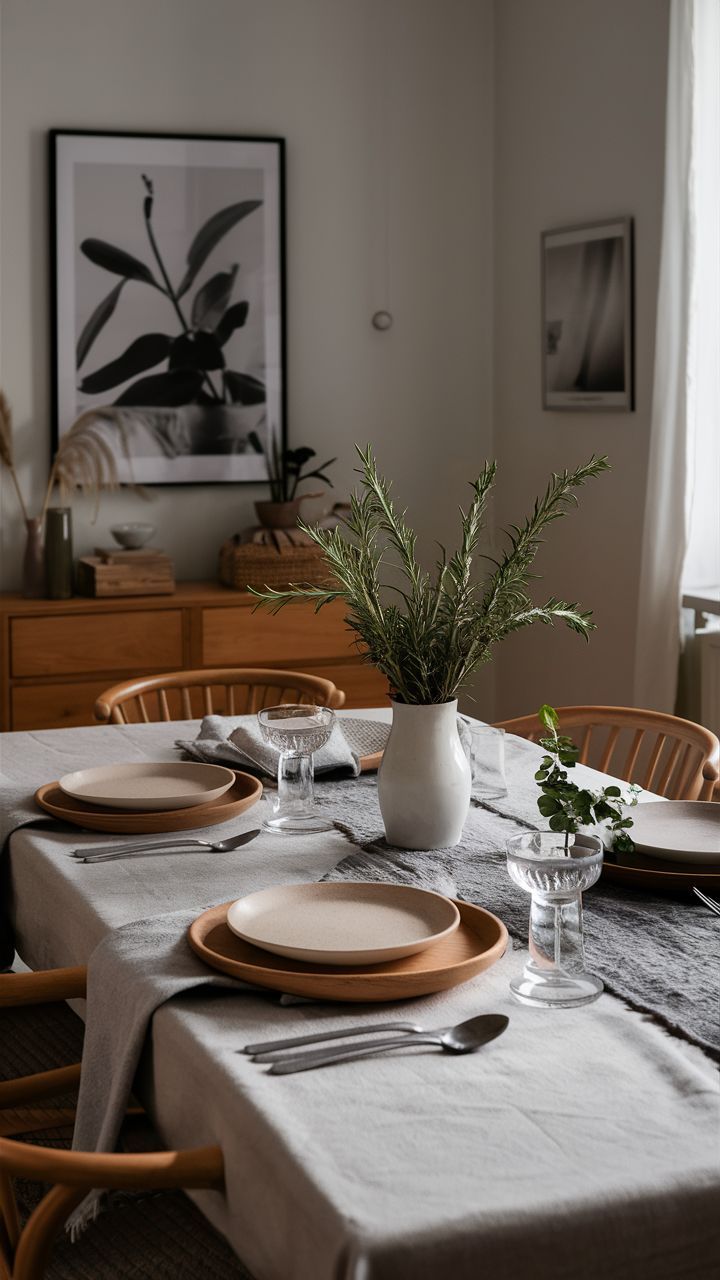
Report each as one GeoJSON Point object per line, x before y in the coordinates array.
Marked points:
{"type": "Point", "coordinates": [132, 536]}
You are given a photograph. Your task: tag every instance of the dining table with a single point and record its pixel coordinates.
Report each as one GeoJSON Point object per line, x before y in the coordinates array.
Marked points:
{"type": "Point", "coordinates": [582, 1143]}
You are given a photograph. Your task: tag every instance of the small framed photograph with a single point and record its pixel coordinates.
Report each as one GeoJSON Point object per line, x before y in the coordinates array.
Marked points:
{"type": "Point", "coordinates": [587, 316]}
{"type": "Point", "coordinates": [168, 281]}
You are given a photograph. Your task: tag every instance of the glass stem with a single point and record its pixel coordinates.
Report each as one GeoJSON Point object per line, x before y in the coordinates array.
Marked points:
{"type": "Point", "coordinates": [556, 935]}
{"type": "Point", "coordinates": [295, 793]}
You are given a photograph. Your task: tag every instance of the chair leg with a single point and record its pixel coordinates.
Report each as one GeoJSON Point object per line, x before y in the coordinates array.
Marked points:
{"type": "Point", "coordinates": [42, 1226]}
{"type": "Point", "coordinates": [44, 1084]}
{"type": "Point", "coordinates": [9, 1215]}
{"type": "Point", "coordinates": [19, 1121]}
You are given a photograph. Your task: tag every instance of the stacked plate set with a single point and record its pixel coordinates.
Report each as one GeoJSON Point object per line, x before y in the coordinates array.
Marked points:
{"type": "Point", "coordinates": [146, 798]}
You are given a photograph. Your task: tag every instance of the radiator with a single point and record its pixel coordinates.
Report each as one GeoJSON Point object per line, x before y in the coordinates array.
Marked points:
{"type": "Point", "coordinates": [708, 643]}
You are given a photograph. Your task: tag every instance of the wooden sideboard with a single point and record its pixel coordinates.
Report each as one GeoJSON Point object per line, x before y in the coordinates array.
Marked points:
{"type": "Point", "coordinates": [58, 655]}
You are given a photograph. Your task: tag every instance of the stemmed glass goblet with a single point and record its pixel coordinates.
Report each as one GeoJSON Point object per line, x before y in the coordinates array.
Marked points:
{"type": "Point", "coordinates": [555, 876]}
{"type": "Point", "coordinates": [296, 731]}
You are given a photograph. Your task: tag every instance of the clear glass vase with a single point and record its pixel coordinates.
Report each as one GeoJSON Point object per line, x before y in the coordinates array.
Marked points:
{"type": "Point", "coordinates": [556, 877]}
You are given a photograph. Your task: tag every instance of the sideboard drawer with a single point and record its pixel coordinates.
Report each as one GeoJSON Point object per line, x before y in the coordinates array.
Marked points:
{"type": "Point", "coordinates": [240, 637]}
{"type": "Point", "coordinates": [35, 706]}
{"type": "Point", "coordinates": [72, 643]}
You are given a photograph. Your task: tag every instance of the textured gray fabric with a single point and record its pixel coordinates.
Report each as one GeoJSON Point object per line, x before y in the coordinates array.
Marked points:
{"type": "Point", "coordinates": [238, 740]}
{"type": "Point", "coordinates": [17, 809]}
{"type": "Point", "coordinates": [658, 953]}
{"type": "Point", "coordinates": [132, 972]}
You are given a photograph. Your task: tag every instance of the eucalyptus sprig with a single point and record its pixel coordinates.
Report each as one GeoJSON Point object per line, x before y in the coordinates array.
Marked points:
{"type": "Point", "coordinates": [569, 807]}
{"type": "Point", "coordinates": [430, 633]}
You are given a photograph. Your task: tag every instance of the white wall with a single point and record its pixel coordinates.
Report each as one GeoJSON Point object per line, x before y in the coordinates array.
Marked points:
{"type": "Point", "coordinates": [579, 136]}
{"type": "Point", "coordinates": [385, 104]}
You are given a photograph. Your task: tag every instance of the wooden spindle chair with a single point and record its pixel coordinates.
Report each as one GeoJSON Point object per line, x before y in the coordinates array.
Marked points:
{"type": "Point", "coordinates": [24, 1252]}
{"type": "Point", "coordinates": [233, 691]}
{"type": "Point", "coordinates": [662, 753]}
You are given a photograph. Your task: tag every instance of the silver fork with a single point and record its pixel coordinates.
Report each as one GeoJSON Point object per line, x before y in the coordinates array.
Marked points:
{"type": "Point", "coordinates": [108, 852]}
{"type": "Point", "coordinates": [709, 902]}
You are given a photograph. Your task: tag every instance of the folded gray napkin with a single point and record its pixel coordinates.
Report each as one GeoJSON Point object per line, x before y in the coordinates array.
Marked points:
{"type": "Point", "coordinates": [133, 971]}
{"type": "Point", "coordinates": [238, 741]}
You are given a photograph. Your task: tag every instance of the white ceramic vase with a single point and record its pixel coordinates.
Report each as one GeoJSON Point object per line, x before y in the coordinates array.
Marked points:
{"type": "Point", "coordinates": [424, 778]}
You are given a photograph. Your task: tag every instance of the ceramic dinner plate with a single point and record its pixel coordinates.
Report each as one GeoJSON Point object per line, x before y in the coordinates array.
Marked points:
{"type": "Point", "coordinates": [678, 831]}
{"type": "Point", "coordinates": [346, 924]}
{"type": "Point", "coordinates": [472, 948]}
{"type": "Point", "coordinates": [145, 788]}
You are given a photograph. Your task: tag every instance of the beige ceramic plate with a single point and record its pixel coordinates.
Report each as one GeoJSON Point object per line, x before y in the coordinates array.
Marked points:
{"type": "Point", "coordinates": [245, 792]}
{"type": "Point", "coordinates": [145, 788]}
{"type": "Point", "coordinates": [678, 831]}
{"type": "Point", "coordinates": [480, 940]}
{"type": "Point", "coordinates": [347, 924]}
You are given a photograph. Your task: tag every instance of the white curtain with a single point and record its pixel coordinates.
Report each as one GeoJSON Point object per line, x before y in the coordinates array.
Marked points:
{"type": "Point", "coordinates": [682, 524]}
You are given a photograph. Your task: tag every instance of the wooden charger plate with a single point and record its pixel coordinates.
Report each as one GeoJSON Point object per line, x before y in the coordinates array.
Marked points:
{"type": "Point", "coordinates": [475, 945]}
{"type": "Point", "coordinates": [244, 793]}
{"type": "Point", "coordinates": [641, 872]}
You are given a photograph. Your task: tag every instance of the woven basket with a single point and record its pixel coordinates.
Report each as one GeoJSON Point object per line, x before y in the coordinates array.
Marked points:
{"type": "Point", "coordinates": [249, 564]}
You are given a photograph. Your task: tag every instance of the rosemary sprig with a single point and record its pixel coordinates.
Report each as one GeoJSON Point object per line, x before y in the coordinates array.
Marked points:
{"type": "Point", "coordinates": [430, 633]}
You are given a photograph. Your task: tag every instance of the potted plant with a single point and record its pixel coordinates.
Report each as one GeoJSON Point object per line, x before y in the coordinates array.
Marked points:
{"type": "Point", "coordinates": [286, 470]}
{"type": "Point", "coordinates": [428, 633]}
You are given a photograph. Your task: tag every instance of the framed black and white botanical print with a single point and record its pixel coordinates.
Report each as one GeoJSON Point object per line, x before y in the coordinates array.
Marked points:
{"type": "Point", "coordinates": [168, 280]}
{"type": "Point", "coordinates": [587, 318]}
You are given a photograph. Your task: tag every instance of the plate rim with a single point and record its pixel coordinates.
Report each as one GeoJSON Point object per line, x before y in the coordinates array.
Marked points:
{"type": "Point", "coordinates": [423, 943]}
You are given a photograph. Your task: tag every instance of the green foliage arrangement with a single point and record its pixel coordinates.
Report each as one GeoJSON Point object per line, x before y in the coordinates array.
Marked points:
{"type": "Point", "coordinates": [429, 635]}
{"type": "Point", "coordinates": [569, 807]}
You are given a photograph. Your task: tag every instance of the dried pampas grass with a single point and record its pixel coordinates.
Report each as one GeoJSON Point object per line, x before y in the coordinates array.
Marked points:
{"type": "Point", "coordinates": [6, 449]}
{"type": "Point", "coordinates": [84, 459]}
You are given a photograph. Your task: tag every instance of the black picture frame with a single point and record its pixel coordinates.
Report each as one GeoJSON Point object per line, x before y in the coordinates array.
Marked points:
{"type": "Point", "coordinates": [168, 299]}
{"type": "Point", "coordinates": [588, 317]}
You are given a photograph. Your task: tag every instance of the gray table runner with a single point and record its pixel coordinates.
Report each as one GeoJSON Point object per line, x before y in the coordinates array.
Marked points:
{"type": "Point", "coordinates": [659, 953]}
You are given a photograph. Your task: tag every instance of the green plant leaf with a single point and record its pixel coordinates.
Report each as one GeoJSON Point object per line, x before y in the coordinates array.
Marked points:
{"type": "Point", "coordinates": [118, 261]}
{"type": "Point", "coordinates": [97, 322]}
{"type": "Point", "coordinates": [233, 319]}
{"type": "Point", "coordinates": [211, 300]}
{"type": "Point", "coordinates": [196, 351]}
{"type": "Point", "coordinates": [176, 387]}
{"type": "Point", "coordinates": [548, 718]}
{"type": "Point", "coordinates": [144, 353]}
{"type": "Point", "coordinates": [243, 389]}
{"type": "Point", "coordinates": [548, 805]}
{"type": "Point", "coordinates": [210, 234]}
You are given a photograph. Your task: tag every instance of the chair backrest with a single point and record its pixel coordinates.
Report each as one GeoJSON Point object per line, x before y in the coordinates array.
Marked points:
{"type": "Point", "coordinates": [233, 691]}
{"type": "Point", "coordinates": [662, 753]}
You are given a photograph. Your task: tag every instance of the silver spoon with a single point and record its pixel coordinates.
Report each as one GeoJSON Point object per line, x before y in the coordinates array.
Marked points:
{"type": "Point", "coordinates": [107, 852]}
{"type": "Point", "coordinates": [466, 1037]}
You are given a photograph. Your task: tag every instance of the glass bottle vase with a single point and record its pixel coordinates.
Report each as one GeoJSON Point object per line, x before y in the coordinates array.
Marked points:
{"type": "Point", "coordinates": [58, 553]}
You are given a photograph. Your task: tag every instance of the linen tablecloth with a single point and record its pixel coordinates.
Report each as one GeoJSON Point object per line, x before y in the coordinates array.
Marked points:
{"type": "Point", "coordinates": [581, 1143]}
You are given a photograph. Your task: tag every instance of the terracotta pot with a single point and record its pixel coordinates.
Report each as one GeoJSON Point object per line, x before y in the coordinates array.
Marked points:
{"type": "Point", "coordinates": [278, 515]}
